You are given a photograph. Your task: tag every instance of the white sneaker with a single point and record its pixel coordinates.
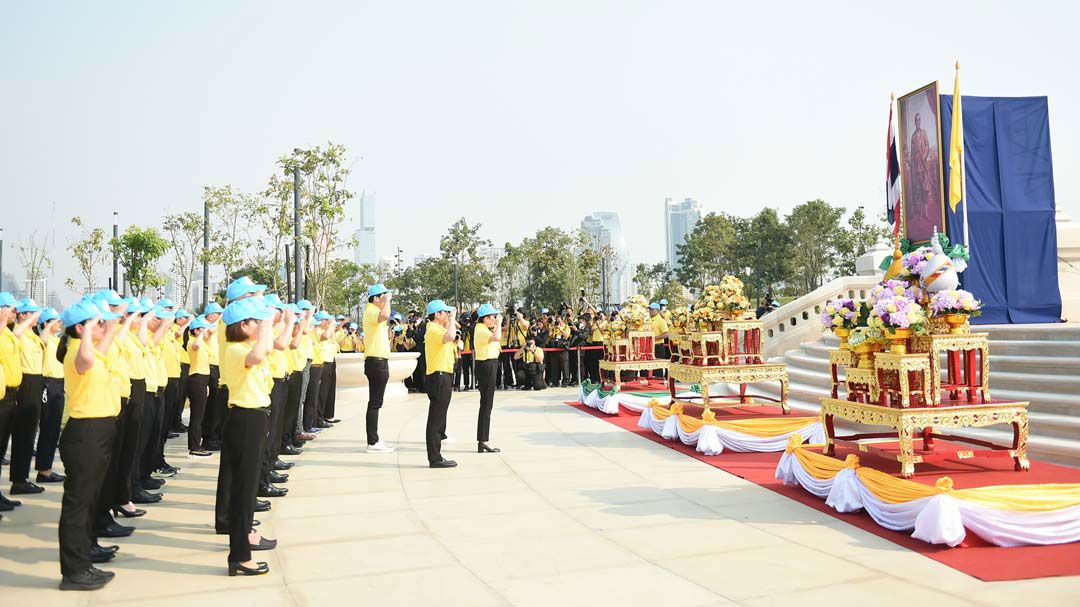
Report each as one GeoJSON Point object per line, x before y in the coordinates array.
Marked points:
{"type": "Point", "coordinates": [380, 447]}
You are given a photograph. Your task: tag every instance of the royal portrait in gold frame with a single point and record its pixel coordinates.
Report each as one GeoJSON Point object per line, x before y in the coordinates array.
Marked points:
{"type": "Point", "coordinates": [922, 192]}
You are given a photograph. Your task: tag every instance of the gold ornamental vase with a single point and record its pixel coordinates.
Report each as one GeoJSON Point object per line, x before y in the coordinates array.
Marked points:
{"type": "Point", "coordinates": [898, 339]}
{"type": "Point", "coordinates": [957, 323]}
{"type": "Point", "coordinates": [843, 334]}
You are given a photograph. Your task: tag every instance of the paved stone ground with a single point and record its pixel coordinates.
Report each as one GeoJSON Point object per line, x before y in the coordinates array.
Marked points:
{"type": "Point", "coordinates": [573, 511]}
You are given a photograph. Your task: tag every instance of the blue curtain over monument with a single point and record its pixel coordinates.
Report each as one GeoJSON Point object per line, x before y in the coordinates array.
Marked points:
{"type": "Point", "coordinates": [1010, 198]}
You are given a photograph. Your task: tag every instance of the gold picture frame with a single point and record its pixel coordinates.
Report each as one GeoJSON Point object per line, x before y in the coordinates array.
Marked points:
{"type": "Point", "coordinates": [922, 192]}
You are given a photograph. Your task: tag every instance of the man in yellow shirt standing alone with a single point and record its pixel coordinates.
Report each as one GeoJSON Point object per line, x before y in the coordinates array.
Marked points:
{"type": "Point", "coordinates": [439, 344]}
{"type": "Point", "coordinates": [376, 361]}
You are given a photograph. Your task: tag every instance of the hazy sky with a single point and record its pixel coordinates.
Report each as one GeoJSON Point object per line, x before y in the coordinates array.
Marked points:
{"type": "Point", "coordinates": [515, 114]}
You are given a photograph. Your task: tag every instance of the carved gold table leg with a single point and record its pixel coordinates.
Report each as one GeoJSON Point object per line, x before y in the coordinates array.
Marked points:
{"type": "Point", "coordinates": [784, 394]}
{"type": "Point", "coordinates": [1020, 436]}
{"type": "Point", "coordinates": [906, 433]}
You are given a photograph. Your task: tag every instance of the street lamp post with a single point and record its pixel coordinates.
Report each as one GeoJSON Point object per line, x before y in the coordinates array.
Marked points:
{"type": "Point", "coordinates": [115, 262]}
{"type": "Point", "coordinates": [206, 254]}
{"type": "Point", "coordinates": [297, 266]}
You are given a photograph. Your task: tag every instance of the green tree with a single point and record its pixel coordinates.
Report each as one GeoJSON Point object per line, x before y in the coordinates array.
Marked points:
{"type": "Point", "coordinates": [856, 239]}
{"type": "Point", "coordinates": [510, 275]}
{"type": "Point", "coordinates": [461, 249]}
{"type": "Point", "coordinates": [430, 279]}
{"type": "Point", "coordinates": [813, 227]}
{"type": "Point", "coordinates": [139, 250]}
{"type": "Point", "coordinates": [710, 252]}
{"type": "Point", "coordinates": [89, 252]}
{"type": "Point", "coordinates": [231, 217]}
{"type": "Point", "coordinates": [273, 214]}
{"type": "Point", "coordinates": [348, 285]}
{"type": "Point", "coordinates": [184, 232]}
{"type": "Point", "coordinates": [649, 279]}
{"type": "Point", "coordinates": [764, 245]}
{"type": "Point", "coordinates": [557, 265]}
{"type": "Point", "coordinates": [34, 256]}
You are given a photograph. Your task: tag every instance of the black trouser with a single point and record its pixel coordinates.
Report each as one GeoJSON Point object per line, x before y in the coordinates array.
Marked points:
{"type": "Point", "coordinates": [660, 352]}
{"type": "Point", "coordinates": [485, 382]}
{"type": "Point", "coordinates": [120, 479]}
{"type": "Point", "coordinates": [293, 398]}
{"type": "Point", "coordinates": [215, 409]}
{"type": "Point", "coordinates": [238, 477]}
{"type": "Point", "coordinates": [463, 371]}
{"type": "Point", "coordinates": [590, 363]}
{"type": "Point", "coordinates": [171, 400]}
{"type": "Point", "coordinates": [49, 428]}
{"type": "Point", "coordinates": [28, 400]}
{"type": "Point", "coordinates": [419, 374]}
{"type": "Point", "coordinates": [311, 399]}
{"type": "Point", "coordinates": [86, 448]}
{"type": "Point", "coordinates": [506, 377]}
{"type": "Point", "coordinates": [440, 387]}
{"type": "Point", "coordinates": [197, 394]}
{"type": "Point", "coordinates": [146, 456]}
{"type": "Point", "coordinates": [558, 367]}
{"type": "Point", "coordinates": [177, 420]}
{"type": "Point", "coordinates": [326, 391]}
{"type": "Point", "coordinates": [7, 416]}
{"type": "Point", "coordinates": [534, 376]}
{"type": "Point", "coordinates": [273, 427]}
{"type": "Point", "coordinates": [377, 371]}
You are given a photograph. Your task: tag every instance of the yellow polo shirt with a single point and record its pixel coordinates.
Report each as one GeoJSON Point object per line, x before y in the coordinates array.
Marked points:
{"type": "Point", "coordinates": [376, 335]}
{"type": "Point", "coordinates": [50, 367]}
{"type": "Point", "coordinates": [9, 358]}
{"type": "Point", "coordinates": [306, 346]}
{"type": "Point", "coordinates": [277, 359]}
{"type": "Point", "coordinates": [170, 353]}
{"type": "Point", "coordinates": [199, 357]}
{"type": "Point", "coordinates": [440, 356]}
{"type": "Point", "coordinates": [485, 348]}
{"type": "Point", "coordinates": [329, 349]}
{"type": "Point", "coordinates": [179, 338]}
{"type": "Point", "coordinates": [94, 394]}
{"type": "Point", "coordinates": [249, 387]}
{"type": "Point", "coordinates": [31, 353]}
{"type": "Point", "coordinates": [659, 325]}
{"type": "Point", "coordinates": [214, 352]}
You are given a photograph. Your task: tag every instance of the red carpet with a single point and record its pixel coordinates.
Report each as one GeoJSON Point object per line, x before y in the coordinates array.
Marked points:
{"type": "Point", "coordinates": [974, 557]}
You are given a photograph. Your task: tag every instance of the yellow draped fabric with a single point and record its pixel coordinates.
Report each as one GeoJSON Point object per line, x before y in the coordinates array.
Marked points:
{"type": "Point", "coordinates": [759, 427]}
{"type": "Point", "coordinates": [889, 489]}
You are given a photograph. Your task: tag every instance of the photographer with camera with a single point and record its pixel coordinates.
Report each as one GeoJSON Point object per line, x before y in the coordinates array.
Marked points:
{"type": "Point", "coordinates": [514, 329]}
{"type": "Point", "coordinates": [558, 363]}
{"type": "Point", "coordinates": [531, 357]}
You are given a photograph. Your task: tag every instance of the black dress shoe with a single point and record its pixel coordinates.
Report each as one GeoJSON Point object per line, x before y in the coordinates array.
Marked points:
{"type": "Point", "coordinates": [280, 465]}
{"type": "Point", "coordinates": [485, 448]}
{"type": "Point", "coordinates": [98, 555]}
{"type": "Point", "coordinates": [181, 428]}
{"type": "Point", "coordinates": [291, 450]}
{"type": "Point", "coordinates": [264, 544]}
{"type": "Point", "coordinates": [200, 453]}
{"type": "Point", "coordinates": [268, 490]}
{"type": "Point", "coordinates": [323, 424]}
{"type": "Point", "coordinates": [262, 505]}
{"type": "Point", "coordinates": [113, 548]}
{"type": "Point", "coordinates": [333, 421]}
{"type": "Point", "coordinates": [211, 445]}
{"type": "Point", "coordinates": [25, 488]}
{"type": "Point", "coordinates": [255, 522]}
{"type": "Point", "coordinates": [51, 477]}
{"type": "Point", "coordinates": [6, 504]}
{"type": "Point", "coordinates": [143, 497]}
{"type": "Point", "coordinates": [91, 579]}
{"type": "Point", "coordinates": [136, 513]}
{"type": "Point", "coordinates": [151, 484]}
{"type": "Point", "coordinates": [172, 435]}
{"type": "Point", "coordinates": [278, 477]}
{"type": "Point", "coordinates": [114, 530]}
{"type": "Point", "coordinates": [238, 569]}
{"type": "Point", "coordinates": [443, 463]}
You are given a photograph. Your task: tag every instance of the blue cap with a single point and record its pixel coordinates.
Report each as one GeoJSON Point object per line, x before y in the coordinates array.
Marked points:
{"type": "Point", "coordinates": [166, 303]}
{"type": "Point", "coordinates": [182, 313]}
{"type": "Point", "coordinates": [6, 300]}
{"type": "Point", "coordinates": [775, 303]}
{"type": "Point", "coordinates": [339, 317]}
{"type": "Point", "coordinates": [543, 310]}
{"type": "Point", "coordinates": [129, 302]}
{"type": "Point", "coordinates": [352, 325]}
{"type": "Point", "coordinates": [199, 323]}
{"type": "Point", "coordinates": [663, 302]}
{"type": "Point", "coordinates": [161, 312]}
{"type": "Point", "coordinates": [396, 316]}
{"type": "Point", "coordinates": [244, 309]}
{"type": "Point", "coordinates": [376, 290]}
{"type": "Point", "coordinates": [242, 286]}
{"type": "Point", "coordinates": [48, 314]}
{"type": "Point", "coordinates": [654, 306]}
{"type": "Point", "coordinates": [322, 315]}
{"type": "Point", "coordinates": [147, 304]}
{"type": "Point", "coordinates": [486, 310]}
{"type": "Point", "coordinates": [304, 304]}
{"type": "Point", "coordinates": [399, 329]}
{"type": "Point", "coordinates": [109, 295]}
{"type": "Point", "coordinates": [26, 305]}
{"type": "Point", "coordinates": [79, 312]}
{"type": "Point", "coordinates": [438, 305]}
{"type": "Point", "coordinates": [213, 308]}
{"type": "Point", "coordinates": [294, 308]}
{"type": "Point", "coordinates": [272, 300]}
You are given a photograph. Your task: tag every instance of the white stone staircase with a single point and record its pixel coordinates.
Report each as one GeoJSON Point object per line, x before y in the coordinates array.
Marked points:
{"type": "Point", "coordinates": [1035, 363]}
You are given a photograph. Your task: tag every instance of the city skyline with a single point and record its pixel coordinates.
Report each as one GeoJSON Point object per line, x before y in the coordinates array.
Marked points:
{"type": "Point", "coordinates": [680, 218]}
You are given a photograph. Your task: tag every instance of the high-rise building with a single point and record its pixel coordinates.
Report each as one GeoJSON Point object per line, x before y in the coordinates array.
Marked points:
{"type": "Point", "coordinates": [365, 236]}
{"type": "Point", "coordinates": [680, 218]}
{"type": "Point", "coordinates": [8, 283]}
{"type": "Point", "coordinates": [605, 231]}
{"type": "Point", "coordinates": [37, 289]}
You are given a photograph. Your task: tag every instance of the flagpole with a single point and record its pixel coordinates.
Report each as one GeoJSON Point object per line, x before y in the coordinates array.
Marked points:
{"type": "Point", "coordinates": [898, 210]}
{"type": "Point", "coordinates": [963, 161]}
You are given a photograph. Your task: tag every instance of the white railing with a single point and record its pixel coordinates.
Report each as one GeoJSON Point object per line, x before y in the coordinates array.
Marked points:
{"type": "Point", "coordinates": [799, 322]}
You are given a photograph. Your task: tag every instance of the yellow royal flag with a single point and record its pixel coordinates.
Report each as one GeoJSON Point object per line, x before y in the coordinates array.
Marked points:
{"type": "Point", "coordinates": [956, 148]}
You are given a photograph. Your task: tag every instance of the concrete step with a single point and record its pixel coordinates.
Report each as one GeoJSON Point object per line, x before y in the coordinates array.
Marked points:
{"type": "Point", "coordinates": [1041, 332]}
{"type": "Point", "coordinates": [1023, 347]}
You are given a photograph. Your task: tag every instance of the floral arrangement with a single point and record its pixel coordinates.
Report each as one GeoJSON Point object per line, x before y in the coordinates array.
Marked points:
{"type": "Point", "coordinates": [957, 301]}
{"type": "Point", "coordinates": [861, 335]}
{"type": "Point", "coordinates": [680, 319]}
{"type": "Point", "coordinates": [840, 313]}
{"type": "Point", "coordinates": [915, 261]}
{"type": "Point", "coordinates": [617, 328]}
{"type": "Point", "coordinates": [894, 305]}
{"type": "Point", "coordinates": [720, 302]}
{"type": "Point", "coordinates": [634, 313]}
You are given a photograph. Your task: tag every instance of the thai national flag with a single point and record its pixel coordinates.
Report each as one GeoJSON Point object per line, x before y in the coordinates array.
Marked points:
{"type": "Point", "coordinates": [892, 179]}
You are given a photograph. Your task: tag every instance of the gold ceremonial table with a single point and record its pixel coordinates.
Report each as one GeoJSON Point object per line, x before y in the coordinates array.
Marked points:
{"type": "Point", "coordinates": [730, 374]}
{"type": "Point", "coordinates": [618, 366]}
{"type": "Point", "coordinates": [911, 421]}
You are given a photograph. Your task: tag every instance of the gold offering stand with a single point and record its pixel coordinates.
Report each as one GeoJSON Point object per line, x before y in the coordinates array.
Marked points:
{"type": "Point", "coordinates": [903, 391]}
{"type": "Point", "coordinates": [631, 353]}
{"type": "Point", "coordinates": [732, 355]}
